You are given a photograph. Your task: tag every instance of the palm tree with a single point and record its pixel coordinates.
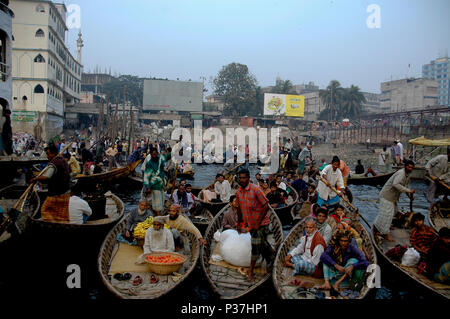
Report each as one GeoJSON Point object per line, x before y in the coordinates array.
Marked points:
{"type": "Point", "coordinates": [353, 99]}
{"type": "Point", "coordinates": [332, 98]}
{"type": "Point", "coordinates": [283, 87]}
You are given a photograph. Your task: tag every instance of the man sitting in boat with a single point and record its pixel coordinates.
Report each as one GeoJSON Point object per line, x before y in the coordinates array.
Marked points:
{"type": "Point", "coordinates": [181, 197]}
{"type": "Point", "coordinates": [73, 164]}
{"type": "Point", "coordinates": [56, 206]}
{"type": "Point", "coordinates": [305, 258]}
{"type": "Point", "coordinates": [336, 217]}
{"type": "Point", "coordinates": [422, 236]}
{"type": "Point", "coordinates": [312, 194]}
{"type": "Point", "coordinates": [398, 183]}
{"type": "Point", "coordinates": [275, 196]}
{"type": "Point", "coordinates": [153, 168]}
{"type": "Point", "coordinates": [300, 185]}
{"type": "Point", "coordinates": [222, 188]}
{"type": "Point", "coordinates": [79, 209]}
{"type": "Point", "coordinates": [322, 225]}
{"type": "Point", "coordinates": [230, 218]}
{"type": "Point", "coordinates": [359, 171]}
{"type": "Point", "coordinates": [280, 183]}
{"type": "Point", "coordinates": [342, 260]}
{"type": "Point", "coordinates": [137, 215]}
{"type": "Point", "coordinates": [157, 239]}
{"type": "Point", "coordinates": [345, 224]}
{"type": "Point", "coordinates": [438, 258]}
{"type": "Point", "coordinates": [333, 177]}
{"type": "Point", "coordinates": [178, 223]}
{"type": "Point", "coordinates": [438, 167]}
{"type": "Point", "coordinates": [187, 169]}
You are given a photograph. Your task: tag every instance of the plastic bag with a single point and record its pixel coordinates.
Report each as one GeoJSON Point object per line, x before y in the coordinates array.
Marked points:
{"type": "Point", "coordinates": [236, 249]}
{"type": "Point", "coordinates": [411, 257]}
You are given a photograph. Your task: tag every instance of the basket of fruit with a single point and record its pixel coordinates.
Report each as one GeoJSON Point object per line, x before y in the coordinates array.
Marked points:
{"type": "Point", "coordinates": [164, 263]}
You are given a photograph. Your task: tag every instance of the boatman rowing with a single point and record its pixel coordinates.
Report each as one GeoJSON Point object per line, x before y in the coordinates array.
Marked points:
{"type": "Point", "coordinates": [333, 177]}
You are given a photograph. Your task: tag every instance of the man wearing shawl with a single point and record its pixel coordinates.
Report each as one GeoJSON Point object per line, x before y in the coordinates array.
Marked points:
{"type": "Point", "coordinates": [342, 260]}
{"type": "Point", "coordinates": [305, 258]}
{"type": "Point", "coordinates": [153, 168]}
{"type": "Point", "coordinates": [157, 239]}
{"type": "Point", "coordinates": [322, 225]}
{"type": "Point", "coordinates": [182, 198]}
{"type": "Point", "coordinates": [305, 153]}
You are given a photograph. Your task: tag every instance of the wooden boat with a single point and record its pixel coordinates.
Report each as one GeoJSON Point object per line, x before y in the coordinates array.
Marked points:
{"type": "Point", "coordinates": [438, 216]}
{"type": "Point", "coordinates": [300, 211]}
{"type": "Point", "coordinates": [418, 172]}
{"type": "Point", "coordinates": [114, 211]}
{"type": "Point", "coordinates": [107, 177]}
{"type": "Point", "coordinates": [284, 213]}
{"type": "Point", "coordinates": [202, 220]}
{"type": "Point", "coordinates": [126, 290]}
{"type": "Point", "coordinates": [230, 283]}
{"type": "Point", "coordinates": [9, 196]}
{"type": "Point", "coordinates": [188, 175]}
{"type": "Point", "coordinates": [282, 275]}
{"type": "Point", "coordinates": [378, 180]}
{"type": "Point", "coordinates": [401, 236]}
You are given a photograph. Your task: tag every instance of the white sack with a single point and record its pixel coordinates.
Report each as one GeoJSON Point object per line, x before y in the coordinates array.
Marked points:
{"type": "Point", "coordinates": [411, 257]}
{"type": "Point", "coordinates": [236, 249]}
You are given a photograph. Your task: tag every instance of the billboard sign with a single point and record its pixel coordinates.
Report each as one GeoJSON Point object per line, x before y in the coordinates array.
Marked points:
{"type": "Point", "coordinates": [283, 104]}
{"type": "Point", "coordinates": [165, 95]}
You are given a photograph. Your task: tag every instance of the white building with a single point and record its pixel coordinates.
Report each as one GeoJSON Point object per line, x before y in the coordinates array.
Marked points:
{"type": "Point", "coordinates": [408, 94]}
{"type": "Point", "coordinates": [6, 16]}
{"type": "Point", "coordinates": [46, 77]}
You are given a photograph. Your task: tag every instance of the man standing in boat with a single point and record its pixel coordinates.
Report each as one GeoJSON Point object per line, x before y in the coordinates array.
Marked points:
{"type": "Point", "coordinates": [438, 167]}
{"type": "Point", "coordinates": [56, 206]}
{"type": "Point", "coordinates": [153, 168]}
{"type": "Point", "coordinates": [332, 176]}
{"type": "Point", "coordinates": [305, 153]}
{"type": "Point", "coordinates": [389, 195]}
{"type": "Point", "coordinates": [252, 211]}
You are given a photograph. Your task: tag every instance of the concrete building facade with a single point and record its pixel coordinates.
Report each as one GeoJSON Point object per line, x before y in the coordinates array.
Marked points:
{"type": "Point", "coordinates": [439, 70]}
{"type": "Point", "coordinates": [408, 94]}
{"type": "Point", "coordinates": [46, 77]}
{"type": "Point", "coordinates": [6, 16]}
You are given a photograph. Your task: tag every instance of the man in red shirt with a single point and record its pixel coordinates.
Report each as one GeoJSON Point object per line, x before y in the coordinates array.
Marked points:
{"type": "Point", "coordinates": [252, 212]}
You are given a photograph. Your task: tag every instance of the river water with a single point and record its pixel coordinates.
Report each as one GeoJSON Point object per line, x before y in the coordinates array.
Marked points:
{"type": "Point", "coordinates": [16, 270]}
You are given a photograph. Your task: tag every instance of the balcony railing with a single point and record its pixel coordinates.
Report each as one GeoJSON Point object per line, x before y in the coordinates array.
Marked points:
{"type": "Point", "coordinates": [5, 71]}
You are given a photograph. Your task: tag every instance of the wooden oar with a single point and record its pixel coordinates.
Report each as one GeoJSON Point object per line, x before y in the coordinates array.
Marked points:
{"type": "Point", "coordinates": [30, 187]}
{"type": "Point", "coordinates": [345, 199]}
{"type": "Point", "coordinates": [434, 178]}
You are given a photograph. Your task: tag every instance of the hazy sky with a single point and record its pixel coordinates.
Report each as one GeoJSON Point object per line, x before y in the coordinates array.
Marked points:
{"type": "Point", "coordinates": [299, 40]}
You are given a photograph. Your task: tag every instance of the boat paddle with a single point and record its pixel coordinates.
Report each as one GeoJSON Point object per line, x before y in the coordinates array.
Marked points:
{"type": "Point", "coordinates": [14, 211]}
{"type": "Point", "coordinates": [436, 179]}
{"type": "Point", "coordinates": [344, 199]}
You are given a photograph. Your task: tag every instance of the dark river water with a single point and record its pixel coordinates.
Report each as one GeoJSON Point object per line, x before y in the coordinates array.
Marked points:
{"type": "Point", "coordinates": [35, 266]}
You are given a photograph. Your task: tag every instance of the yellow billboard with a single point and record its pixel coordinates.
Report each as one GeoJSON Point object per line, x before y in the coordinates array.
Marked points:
{"type": "Point", "coordinates": [295, 105]}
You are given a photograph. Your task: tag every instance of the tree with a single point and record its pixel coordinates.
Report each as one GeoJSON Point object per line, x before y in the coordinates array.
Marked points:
{"type": "Point", "coordinates": [332, 98]}
{"type": "Point", "coordinates": [134, 92]}
{"type": "Point", "coordinates": [283, 87]}
{"type": "Point", "coordinates": [235, 83]}
{"type": "Point", "coordinates": [352, 102]}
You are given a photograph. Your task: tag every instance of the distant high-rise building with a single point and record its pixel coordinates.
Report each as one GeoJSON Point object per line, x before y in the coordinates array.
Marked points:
{"type": "Point", "coordinates": [46, 77]}
{"type": "Point", "coordinates": [439, 70]}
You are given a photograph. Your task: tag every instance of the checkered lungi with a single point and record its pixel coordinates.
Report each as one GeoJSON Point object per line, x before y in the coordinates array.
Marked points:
{"type": "Point", "coordinates": [386, 214]}
{"type": "Point", "coordinates": [260, 245]}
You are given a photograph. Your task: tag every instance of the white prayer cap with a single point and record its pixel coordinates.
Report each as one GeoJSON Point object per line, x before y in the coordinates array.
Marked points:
{"type": "Point", "coordinates": [159, 219]}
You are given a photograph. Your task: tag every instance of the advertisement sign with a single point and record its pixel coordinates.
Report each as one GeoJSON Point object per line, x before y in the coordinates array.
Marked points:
{"type": "Point", "coordinates": [282, 104]}
{"type": "Point", "coordinates": [295, 105]}
{"type": "Point", "coordinates": [24, 116]}
{"type": "Point", "coordinates": [274, 104]}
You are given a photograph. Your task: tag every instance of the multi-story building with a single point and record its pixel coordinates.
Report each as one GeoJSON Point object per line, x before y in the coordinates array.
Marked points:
{"type": "Point", "coordinates": [372, 104]}
{"type": "Point", "coordinates": [313, 105]}
{"type": "Point", "coordinates": [46, 77]}
{"type": "Point", "coordinates": [6, 16]}
{"type": "Point", "coordinates": [408, 94]}
{"type": "Point", "coordinates": [439, 70]}
{"type": "Point", "coordinates": [305, 88]}
{"type": "Point", "coordinates": [93, 82]}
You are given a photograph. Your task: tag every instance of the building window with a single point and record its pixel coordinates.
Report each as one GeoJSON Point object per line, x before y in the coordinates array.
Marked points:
{"type": "Point", "coordinates": [39, 33]}
{"type": "Point", "coordinates": [39, 59]}
{"type": "Point", "coordinates": [38, 89]}
{"type": "Point", "coordinates": [24, 98]}
{"type": "Point", "coordinates": [40, 8]}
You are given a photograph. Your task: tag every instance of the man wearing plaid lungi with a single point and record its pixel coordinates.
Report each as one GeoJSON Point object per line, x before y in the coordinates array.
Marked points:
{"type": "Point", "coordinates": [252, 211]}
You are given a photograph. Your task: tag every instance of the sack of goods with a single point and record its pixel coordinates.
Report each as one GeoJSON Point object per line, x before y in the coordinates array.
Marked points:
{"type": "Point", "coordinates": [411, 257]}
{"type": "Point", "coordinates": [235, 248]}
